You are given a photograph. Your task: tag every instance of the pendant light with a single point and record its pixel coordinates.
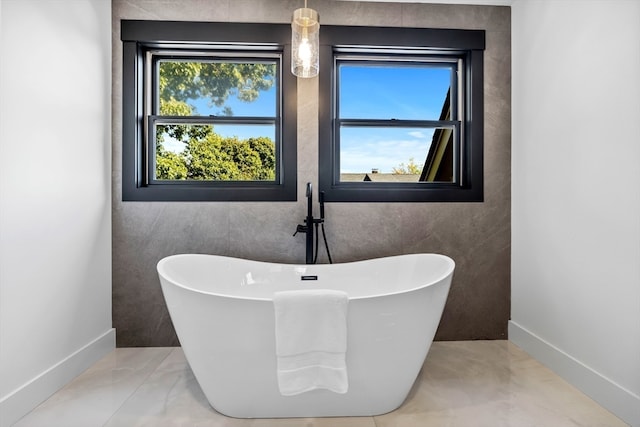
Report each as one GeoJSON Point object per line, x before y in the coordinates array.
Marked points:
{"type": "Point", "coordinates": [305, 42]}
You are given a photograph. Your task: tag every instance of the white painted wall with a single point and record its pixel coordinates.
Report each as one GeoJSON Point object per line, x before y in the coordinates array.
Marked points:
{"type": "Point", "coordinates": [55, 216]}
{"type": "Point", "coordinates": [576, 193]}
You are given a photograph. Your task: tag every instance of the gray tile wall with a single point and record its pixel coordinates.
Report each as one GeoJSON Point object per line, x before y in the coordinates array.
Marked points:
{"type": "Point", "coordinates": [475, 235]}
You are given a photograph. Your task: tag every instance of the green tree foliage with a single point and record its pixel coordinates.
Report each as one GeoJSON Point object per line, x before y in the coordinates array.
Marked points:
{"type": "Point", "coordinates": [213, 157]}
{"type": "Point", "coordinates": [411, 168]}
{"type": "Point", "coordinates": [231, 159]}
{"type": "Point", "coordinates": [170, 165]}
{"type": "Point", "coordinates": [207, 155]}
{"type": "Point", "coordinates": [181, 81]}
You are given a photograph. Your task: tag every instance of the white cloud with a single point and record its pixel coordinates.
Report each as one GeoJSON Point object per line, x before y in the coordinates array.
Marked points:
{"type": "Point", "coordinates": [417, 134]}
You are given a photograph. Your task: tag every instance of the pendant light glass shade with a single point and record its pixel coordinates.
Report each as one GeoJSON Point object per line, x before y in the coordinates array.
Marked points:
{"type": "Point", "coordinates": [305, 41]}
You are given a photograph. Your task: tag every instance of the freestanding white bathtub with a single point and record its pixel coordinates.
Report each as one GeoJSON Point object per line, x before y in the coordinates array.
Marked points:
{"type": "Point", "coordinates": [222, 310]}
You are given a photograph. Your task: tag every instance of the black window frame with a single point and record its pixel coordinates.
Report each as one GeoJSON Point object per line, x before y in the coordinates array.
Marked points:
{"type": "Point", "coordinates": [140, 38]}
{"type": "Point", "coordinates": [395, 43]}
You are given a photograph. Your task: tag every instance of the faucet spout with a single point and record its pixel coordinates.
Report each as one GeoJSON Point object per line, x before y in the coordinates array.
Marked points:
{"type": "Point", "coordinates": [309, 225]}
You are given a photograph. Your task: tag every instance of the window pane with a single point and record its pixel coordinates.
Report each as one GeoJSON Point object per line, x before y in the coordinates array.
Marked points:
{"type": "Point", "coordinates": [215, 153]}
{"type": "Point", "coordinates": [219, 88]}
{"type": "Point", "coordinates": [393, 91]}
{"type": "Point", "coordinates": [396, 154]}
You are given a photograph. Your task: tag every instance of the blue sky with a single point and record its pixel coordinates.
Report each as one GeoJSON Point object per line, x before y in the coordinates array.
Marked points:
{"type": "Point", "coordinates": [379, 92]}
{"type": "Point", "coordinates": [366, 92]}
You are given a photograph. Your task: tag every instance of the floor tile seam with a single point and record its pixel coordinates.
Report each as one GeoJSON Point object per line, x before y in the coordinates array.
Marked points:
{"type": "Point", "coordinates": [142, 382]}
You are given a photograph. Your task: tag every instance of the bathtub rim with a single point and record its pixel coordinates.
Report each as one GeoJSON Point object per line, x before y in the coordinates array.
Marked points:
{"type": "Point", "coordinates": [161, 269]}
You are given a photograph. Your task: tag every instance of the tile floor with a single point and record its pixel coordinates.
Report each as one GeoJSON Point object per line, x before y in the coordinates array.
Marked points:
{"type": "Point", "coordinates": [472, 383]}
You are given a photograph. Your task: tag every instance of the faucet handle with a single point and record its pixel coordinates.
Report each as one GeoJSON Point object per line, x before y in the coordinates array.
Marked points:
{"type": "Point", "coordinates": [300, 229]}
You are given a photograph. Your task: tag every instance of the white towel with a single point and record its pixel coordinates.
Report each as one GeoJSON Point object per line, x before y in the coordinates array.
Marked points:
{"type": "Point", "coordinates": [311, 340]}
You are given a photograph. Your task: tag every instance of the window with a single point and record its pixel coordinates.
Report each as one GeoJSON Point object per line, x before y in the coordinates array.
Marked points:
{"type": "Point", "coordinates": [208, 112]}
{"type": "Point", "coordinates": [395, 119]}
{"type": "Point", "coordinates": [402, 119]}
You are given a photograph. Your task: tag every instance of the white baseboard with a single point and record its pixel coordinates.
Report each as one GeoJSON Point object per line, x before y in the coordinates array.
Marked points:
{"type": "Point", "coordinates": [615, 398]}
{"type": "Point", "coordinates": [23, 400]}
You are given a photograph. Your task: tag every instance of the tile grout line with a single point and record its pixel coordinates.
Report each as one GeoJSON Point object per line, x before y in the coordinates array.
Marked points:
{"type": "Point", "coordinates": [144, 380]}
